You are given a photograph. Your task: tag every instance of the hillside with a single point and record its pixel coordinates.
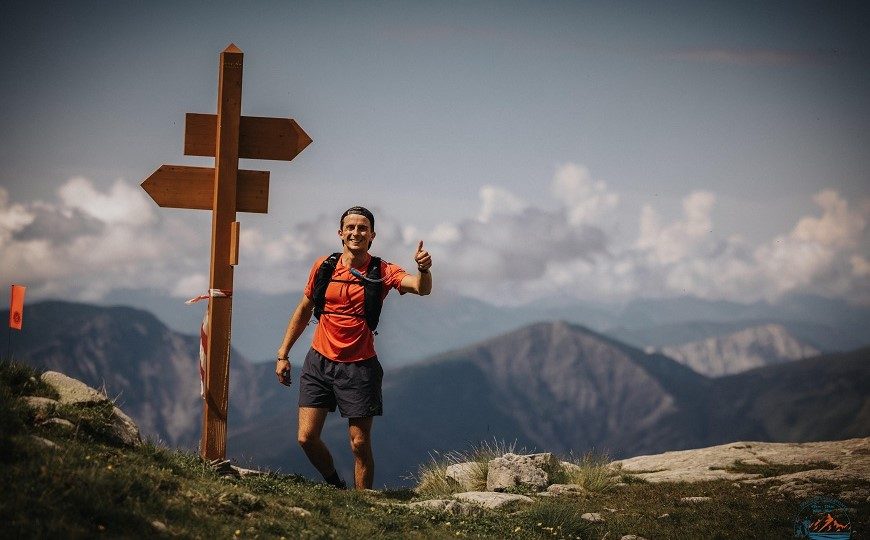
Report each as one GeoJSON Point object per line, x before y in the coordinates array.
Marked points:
{"type": "Point", "coordinates": [549, 385]}
{"type": "Point", "coordinates": [150, 370]}
{"type": "Point", "coordinates": [66, 475]}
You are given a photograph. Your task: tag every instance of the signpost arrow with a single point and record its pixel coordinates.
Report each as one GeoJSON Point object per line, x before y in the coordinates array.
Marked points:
{"type": "Point", "coordinates": [259, 137]}
{"type": "Point", "coordinates": [180, 186]}
{"type": "Point", "coordinates": [225, 190]}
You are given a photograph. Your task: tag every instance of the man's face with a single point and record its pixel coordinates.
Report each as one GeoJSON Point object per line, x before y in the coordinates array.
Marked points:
{"type": "Point", "coordinates": [356, 233]}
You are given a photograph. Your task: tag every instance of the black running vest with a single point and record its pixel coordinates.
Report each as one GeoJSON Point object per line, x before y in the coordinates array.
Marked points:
{"type": "Point", "coordinates": [374, 299]}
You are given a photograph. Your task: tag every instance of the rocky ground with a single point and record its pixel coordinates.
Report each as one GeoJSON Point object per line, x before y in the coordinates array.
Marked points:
{"type": "Point", "coordinates": [797, 469]}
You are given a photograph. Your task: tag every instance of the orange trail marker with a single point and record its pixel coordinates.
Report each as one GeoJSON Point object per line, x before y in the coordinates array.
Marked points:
{"type": "Point", "coordinates": [225, 190]}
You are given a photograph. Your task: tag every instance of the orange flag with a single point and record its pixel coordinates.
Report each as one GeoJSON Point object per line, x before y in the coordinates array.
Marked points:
{"type": "Point", "coordinates": [16, 306]}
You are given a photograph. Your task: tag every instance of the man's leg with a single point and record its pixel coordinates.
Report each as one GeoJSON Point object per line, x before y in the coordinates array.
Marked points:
{"type": "Point", "coordinates": [311, 421]}
{"type": "Point", "coordinates": [360, 431]}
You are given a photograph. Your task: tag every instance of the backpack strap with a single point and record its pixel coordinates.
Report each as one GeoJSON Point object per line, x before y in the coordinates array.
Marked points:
{"type": "Point", "coordinates": [321, 281]}
{"type": "Point", "coordinates": [372, 287]}
{"type": "Point", "coordinates": [374, 298]}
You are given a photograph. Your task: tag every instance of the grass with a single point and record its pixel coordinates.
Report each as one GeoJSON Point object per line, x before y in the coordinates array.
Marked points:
{"type": "Point", "coordinates": [432, 481]}
{"type": "Point", "coordinates": [592, 471]}
{"type": "Point", "coordinates": [91, 486]}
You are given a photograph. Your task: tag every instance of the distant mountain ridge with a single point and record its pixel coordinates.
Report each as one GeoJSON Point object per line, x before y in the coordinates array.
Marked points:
{"type": "Point", "coordinates": [552, 386]}
{"type": "Point", "coordinates": [407, 322]}
{"type": "Point", "coordinates": [745, 349]}
{"type": "Point", "coordinates": [151, 371]}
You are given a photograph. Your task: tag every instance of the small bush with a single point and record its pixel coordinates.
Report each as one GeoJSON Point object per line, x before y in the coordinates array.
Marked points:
{"type": "Point", "coordinates": [432, 478]}
{"type": "Point", "coordinates": [592, 471]}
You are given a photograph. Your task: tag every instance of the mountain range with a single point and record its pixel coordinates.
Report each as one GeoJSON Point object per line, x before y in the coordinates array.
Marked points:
{"type": "Point", "coordinates": [740, 351]}
{"type": "Point", "coordinates": [415, 328]}
{"type": "Point", "coordinates": [551, 386]}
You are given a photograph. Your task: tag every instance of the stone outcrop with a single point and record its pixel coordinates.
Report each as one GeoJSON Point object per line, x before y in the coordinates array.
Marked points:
{"type": "Point", "coordinates": [512, 470]}
{"type": "Point", "coordinates": [75, 393]}
{"type": "Point", "coordinates": [818, 464]}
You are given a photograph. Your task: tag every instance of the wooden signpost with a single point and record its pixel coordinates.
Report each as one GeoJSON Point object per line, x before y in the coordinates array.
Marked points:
{"type": "Point", "coordinates": [224, 190]}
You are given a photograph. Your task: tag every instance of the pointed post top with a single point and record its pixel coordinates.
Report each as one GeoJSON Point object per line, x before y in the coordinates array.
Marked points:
{"type": "Point", "coordinates": [231, 48]}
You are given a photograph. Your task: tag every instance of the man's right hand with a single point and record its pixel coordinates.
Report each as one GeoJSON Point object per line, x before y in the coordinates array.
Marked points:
{"type": "Point", "coordinates": [282, 371]}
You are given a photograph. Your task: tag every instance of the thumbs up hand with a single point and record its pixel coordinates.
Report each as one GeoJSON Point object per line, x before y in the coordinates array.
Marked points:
{"type": "Point", "coordinates": [422, 258]}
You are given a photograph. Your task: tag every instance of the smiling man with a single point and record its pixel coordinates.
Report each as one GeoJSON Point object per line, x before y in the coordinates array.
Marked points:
{"type": "Point", "coordinates": [345, 292]}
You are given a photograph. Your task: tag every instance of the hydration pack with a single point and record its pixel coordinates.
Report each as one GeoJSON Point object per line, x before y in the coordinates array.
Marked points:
{"type": "Point", "coordinates": [372, 286]}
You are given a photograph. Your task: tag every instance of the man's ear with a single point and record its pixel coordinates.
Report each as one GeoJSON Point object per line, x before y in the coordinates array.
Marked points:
{"type": "Point", "coordinates": [372, 241]}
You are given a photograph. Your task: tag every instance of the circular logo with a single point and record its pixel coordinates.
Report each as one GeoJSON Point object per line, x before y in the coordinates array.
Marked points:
{"type": "Point", "coordinates": [16, 317]}
{"type": "Point", "coordinates": [823, 517]}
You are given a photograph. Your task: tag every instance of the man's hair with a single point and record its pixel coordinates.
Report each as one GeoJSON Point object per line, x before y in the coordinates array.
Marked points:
{"type": "Point", "coordinates": [359, 210]}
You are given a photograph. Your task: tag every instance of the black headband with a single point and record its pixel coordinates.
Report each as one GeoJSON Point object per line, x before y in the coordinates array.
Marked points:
{"type": "Point", "coordinates": [360, 211]}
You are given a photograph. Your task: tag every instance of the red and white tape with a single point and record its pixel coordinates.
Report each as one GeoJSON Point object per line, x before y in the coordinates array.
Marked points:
{"type": "Point", "coordinates": [203, 332]}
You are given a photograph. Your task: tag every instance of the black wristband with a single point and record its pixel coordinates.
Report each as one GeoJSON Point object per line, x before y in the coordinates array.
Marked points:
{"type": "Point", "coordinates": [423, 270]}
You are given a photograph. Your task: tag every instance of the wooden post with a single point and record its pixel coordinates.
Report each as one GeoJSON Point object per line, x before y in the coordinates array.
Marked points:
{"type": "Point", "coordinates": [229, 112]}
{"type": "Point", "coordinates": [224, 190]}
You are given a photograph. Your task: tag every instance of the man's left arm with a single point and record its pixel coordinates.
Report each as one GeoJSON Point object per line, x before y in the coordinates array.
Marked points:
{"type": "Point", "coordinates": [421, 283]}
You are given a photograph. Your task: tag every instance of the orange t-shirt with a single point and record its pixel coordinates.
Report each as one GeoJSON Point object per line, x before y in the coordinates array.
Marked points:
{"type": "Point", "coordinates": [347, 338]}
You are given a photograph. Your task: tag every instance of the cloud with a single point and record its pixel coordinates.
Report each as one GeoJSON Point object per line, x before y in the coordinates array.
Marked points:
{"type": "Point", "coordinates": [509, 251]}
{"type": "Point", "coordinates": [124, 204]}
{"type": "Point", "coordinates": [586, 200]}
{"type": "Point", "coordinates": [89, 242]}
{"type": "Point", "coordinates": [497, 202]}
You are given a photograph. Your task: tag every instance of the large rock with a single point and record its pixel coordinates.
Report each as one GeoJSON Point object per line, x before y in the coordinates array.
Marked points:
{"type": "Point", "coordinates": [72, 391]}
{"type": "Point", "coordinates": [850, 459]}
{"type": "Point", "coordinates": [124, 428]}
{"type": "Point", "coordinates": [512, 470]}
{"type": "Point", "coordinates": [75, 392]}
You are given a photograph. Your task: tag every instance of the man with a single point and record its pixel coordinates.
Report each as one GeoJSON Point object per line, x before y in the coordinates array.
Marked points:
{"type": "Point", "coordinates": [345, 291]}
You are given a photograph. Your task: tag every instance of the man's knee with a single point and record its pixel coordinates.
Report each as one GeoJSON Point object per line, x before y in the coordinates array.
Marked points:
{"type": "Point", "coordinates": [308, 440]}
{"type": "Point", "coordinates": [360, 444]}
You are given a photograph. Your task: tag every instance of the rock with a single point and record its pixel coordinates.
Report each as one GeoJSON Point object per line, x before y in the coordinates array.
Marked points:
{"type": "Point", "coordinates": [447, 506]}
{"type": "Point", "coordinates": [60, 422]}
{"type": "Point", "coordinates": [242, 472]}
{"type": "Point", "coordinates": [631, 537]}
{"type": "Point", "coordinates": [850, 457]}
{"type": "Point", "coordinates": [223, 467]}
{"type": "Point", "coordinates": [299, 512]}
{"type": "Point", "coordinates": [71, 391]}
{"type": "Point", "coordinates": [512, 470]}
{"type": "Point", "coordinates": [567, 489]}
{"type": "Point", "coordinates": [592, 517]}
{"type": "Point", "coordinates": [44, 443]}
{"type": "Point", "coordinates": [695, 500]}
{"type": "Point", "coordinates": [159, 527]}
{"type": "Point", "coordinates": [124, 428]}
{"type": "Point", "coordinates": [490, 500]}
{"type": "Point", "coordinates": [466, 474]}
{"type": "Point", "coordinates": [40, 404]}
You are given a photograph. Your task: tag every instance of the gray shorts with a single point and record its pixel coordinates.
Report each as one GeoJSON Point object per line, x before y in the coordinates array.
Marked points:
{"type": "Point", "coordinates": [354, 386]}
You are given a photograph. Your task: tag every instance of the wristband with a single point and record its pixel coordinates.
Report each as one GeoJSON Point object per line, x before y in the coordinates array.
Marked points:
{"type": "Point", "coordinates": [423, 270]}
{"type": "Point", "coordinates": [287, 358]}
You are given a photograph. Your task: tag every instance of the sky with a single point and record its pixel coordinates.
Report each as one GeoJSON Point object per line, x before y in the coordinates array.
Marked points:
{"type": "Point", "coordinates": [599, 151]}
